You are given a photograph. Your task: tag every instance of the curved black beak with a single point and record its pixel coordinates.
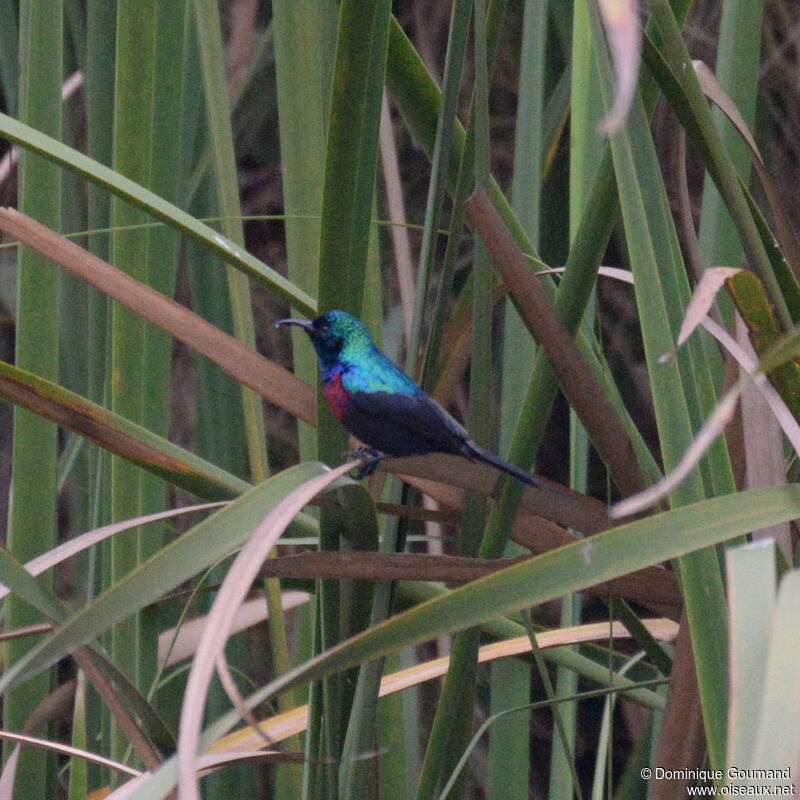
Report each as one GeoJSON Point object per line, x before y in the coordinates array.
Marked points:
{"type": "Point", "coordinates": [307, 326]}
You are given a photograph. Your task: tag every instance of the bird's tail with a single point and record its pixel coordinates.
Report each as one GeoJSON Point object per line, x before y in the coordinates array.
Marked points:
{"type": "Point", "coordinates": [475, 453]}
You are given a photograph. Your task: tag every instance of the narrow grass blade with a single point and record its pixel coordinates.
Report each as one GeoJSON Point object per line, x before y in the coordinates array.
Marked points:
{"type": "Point", "coordinates": [454, 712]}
{"type": "Point", "coordinates": [225, 168]}
{"type": "Point", "coordinates": [737, 65]}
{"type": "Point", "coordinates": [301, 110]}
{"type": "Point", "coordinates": [458, 34]}
{"type": "Point", "coordinates": [75, 752]}
{"type": "Point", "coordinates": [352, 151]}
{"type": "Point", "coordinates": [212, 57]}
{"type": "Point", "coordinates": [127, 369]}
{"type": "Point", "coordinates": [32, 524]}
{"type": "Point", "coordinates": [509, 741]}
{"type": "Point", "coordinates": [37, 142]}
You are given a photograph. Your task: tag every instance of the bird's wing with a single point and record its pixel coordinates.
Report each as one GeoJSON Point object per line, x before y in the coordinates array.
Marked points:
{"type": "Point", "coordinates": [405, 424]}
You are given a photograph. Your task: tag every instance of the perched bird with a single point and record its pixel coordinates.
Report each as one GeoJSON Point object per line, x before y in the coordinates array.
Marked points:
{"type": "Point", "coordinates": [380, 405]}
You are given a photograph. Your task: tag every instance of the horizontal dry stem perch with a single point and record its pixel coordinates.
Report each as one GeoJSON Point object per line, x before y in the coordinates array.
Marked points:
{"type": "Point", "coordinates": [271, 381]}
{"type": "Point", "coordinates": [652, 587]}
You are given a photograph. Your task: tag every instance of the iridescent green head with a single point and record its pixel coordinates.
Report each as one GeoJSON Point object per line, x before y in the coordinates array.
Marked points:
{"type": "Point", "coordinates": [337, 336]}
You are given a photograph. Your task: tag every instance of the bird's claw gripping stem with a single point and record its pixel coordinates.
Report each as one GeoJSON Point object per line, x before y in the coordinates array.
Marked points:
{"type": "Point", "coordinates": [369, 458]}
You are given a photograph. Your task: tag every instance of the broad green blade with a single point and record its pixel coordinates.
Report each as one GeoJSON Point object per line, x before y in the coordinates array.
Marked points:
{"type": "Point", "coordinates": [751, 597]}
{"type": "Point", "coordinates": [33, 517]}
{"type": "Point", "coordinates": [568, 569]}
{"type": "Point", "coordinates": [351, 157]}
{"type": "Point", "coordinates": [777, 744]}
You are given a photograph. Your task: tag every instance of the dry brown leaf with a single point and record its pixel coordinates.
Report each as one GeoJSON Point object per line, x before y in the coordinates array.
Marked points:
{"type": "Point", "coordinates": [703, 298]}
{"type": "Point", "coordinates": [785, 232]}
{"type": "Point", "coordinates": [271, 381]}
{"type": "Point", "coordinates": [584, 392]}
{"type": "Point", "coordinates": [621, 21]}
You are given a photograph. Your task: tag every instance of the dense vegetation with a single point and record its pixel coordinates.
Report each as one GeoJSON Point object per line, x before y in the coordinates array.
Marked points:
{"type": "Point", "coordinates": [415, 164]}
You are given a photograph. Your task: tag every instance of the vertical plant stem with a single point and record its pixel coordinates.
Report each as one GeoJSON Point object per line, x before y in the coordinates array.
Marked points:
{"type": "Point", "coordinates": [586, 150]}
{"type": "Point", "coordinates": [647, 221]}
{"type": "Point", "coordinates": [99, 88]}
{"type": "Point", "coordinates": [162, 269]}
{"type": "Point", "coordinates": [509, 737]}
{"type": "Point", "coordinates": [225, 170]}
{"type": "Point", "coordinates": [737, 70]}
{"type": "Point", "coordinates": [33, 517]}
{"type": "Point", "coordinates": [463, 667]}
{"type": "Point", "coordinates": [454, 64]}
{"type": "Point", "coordinates": [101, 19]}
{"type": "Point", "coordinates": [518, 345]}
{"type": "Point", "coordinates": [132, 157]}
{"type": "Point", "coordinates": [349, 188]}
{"type": "Point", "coordinates": [224, 161]}
{"type": "Point", "coordinates": [298, 68]}
{"type": "Point", "coordinates": [452, 723]}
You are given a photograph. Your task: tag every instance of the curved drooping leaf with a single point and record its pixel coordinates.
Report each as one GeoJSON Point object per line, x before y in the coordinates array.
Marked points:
{"type": "Point", "coordinates": [229, 598]}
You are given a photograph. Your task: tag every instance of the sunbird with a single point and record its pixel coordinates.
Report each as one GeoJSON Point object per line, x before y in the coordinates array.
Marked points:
{"type": "Point", "coordinates": [380, 405]}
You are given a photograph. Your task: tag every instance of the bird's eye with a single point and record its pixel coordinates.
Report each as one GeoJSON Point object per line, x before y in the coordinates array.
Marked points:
{"type": "Point", "coordinates": [325, 329]}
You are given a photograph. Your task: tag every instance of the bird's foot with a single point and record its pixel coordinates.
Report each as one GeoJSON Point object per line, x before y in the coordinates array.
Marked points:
{"type": "Point", "coordinates": [369, 458]}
